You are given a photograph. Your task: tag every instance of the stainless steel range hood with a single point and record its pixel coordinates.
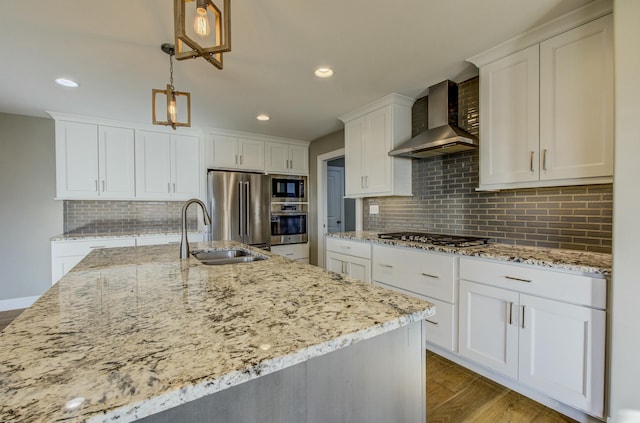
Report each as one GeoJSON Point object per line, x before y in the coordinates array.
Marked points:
{"type": "Point", "coordinates": [443, 135]}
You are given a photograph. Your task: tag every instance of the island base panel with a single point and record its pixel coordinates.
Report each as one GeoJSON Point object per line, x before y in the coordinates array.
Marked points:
{"type": "Point", "coordinates": [378, 380]}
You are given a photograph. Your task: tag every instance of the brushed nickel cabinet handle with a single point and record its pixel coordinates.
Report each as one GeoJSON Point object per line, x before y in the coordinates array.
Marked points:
{"type": "Point", "coordinates": [430, 276]}
{"type": "Point", "coordinates": [174, 187]}
{"type": "Point", "coordinates": [511, 278]}
{"type": "Point", "coordinates": [544, 159]}
{"type": "Point", "coordinates": [240, 159]}
{"type": "Point", "coordinates": [96, 185]}
{"type": "Point", "coordinates": [432, 322]}
{"type": "Point", "coordinates": [236, 159]}
{"type": "Point", "coordinates": [169, 187]}
{"type": "Point", "coordinates": [388, 266]}
{"type": "Point", "coordinates": [103, 185]}
{"type": "Point", "coordinates": [523, 317]}
{"type": "Point", "coordinates": [531, 160]}
{"type": "Point", "coordinates": [511, 312]}
{"type": "Point", "coordinates": [97, 246]}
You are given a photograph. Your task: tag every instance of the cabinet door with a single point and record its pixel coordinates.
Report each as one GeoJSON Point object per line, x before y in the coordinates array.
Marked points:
{"type": "Point", "coordinates": [359, 268]}
{"type": "Point", "coordinates": [576, 95]}
{"type": "Point", "coordinates": [562, 352]}
{"type": "Point", "coordinates": [277, 157]}
{"type": "Point", "coordinates": [354, 133]}
{"type": "Point", "coordinates": [185, 168]}
{"type": "Point", "coordinates": [376, 162]}
{"type": "Point", "coordinates": [153, 165]}
{"type": "Point", "coordinates": [509, 103]}
{"type": "Point", "coordinates": [489, 327]}
{"type": "Point", "coordinates": [335, 263]}
{"type": "Point", "coordinates": [225, 151]}
{"type": "Point", "coordinates": [76, 160]}
{"type": "Point", "coordinates": [117, 167]}
{"type": "Point", "coordinates": [299, 159]}
{"type": "Point", "coordinates": [60, 266]}
{"type": "Point", "coordinates": [251, 154]}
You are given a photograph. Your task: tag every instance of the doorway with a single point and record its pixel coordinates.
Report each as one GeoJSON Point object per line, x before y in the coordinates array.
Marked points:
{"type": "Point", "coordinates": [335, 212]}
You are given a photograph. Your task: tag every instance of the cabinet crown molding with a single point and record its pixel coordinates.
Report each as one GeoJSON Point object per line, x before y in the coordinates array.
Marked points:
{"type": "Point", "coordinates": [390, 99]}
{"type": "Point", "coordinates": [254, 136]}
{"type": "Point", "coordinates": [561, 24]}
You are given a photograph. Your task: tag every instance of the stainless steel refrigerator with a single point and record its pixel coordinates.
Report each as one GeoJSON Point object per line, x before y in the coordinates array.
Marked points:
{"type": "Point", "coordinates": [239, 206]}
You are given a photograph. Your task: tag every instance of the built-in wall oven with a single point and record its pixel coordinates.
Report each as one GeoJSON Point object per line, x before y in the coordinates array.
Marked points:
{"type": "Point", "coordinates": [289, 209]}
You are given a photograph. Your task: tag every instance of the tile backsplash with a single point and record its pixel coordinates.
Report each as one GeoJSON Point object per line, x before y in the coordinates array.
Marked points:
{"type": "Point", "coordinates": [445, 200]}
{"type": "Point", "coordinates": [104, 217]}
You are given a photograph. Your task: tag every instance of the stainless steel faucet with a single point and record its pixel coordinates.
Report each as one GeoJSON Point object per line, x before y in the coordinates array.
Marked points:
{"type": "Point", "coordinates": [184, 242]}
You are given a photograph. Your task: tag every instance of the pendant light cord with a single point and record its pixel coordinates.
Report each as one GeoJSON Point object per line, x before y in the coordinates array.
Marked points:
{"type": "Point", "coordinates": [171, 72]}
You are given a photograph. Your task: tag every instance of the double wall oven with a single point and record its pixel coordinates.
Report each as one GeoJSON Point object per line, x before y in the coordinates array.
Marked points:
{"type": "Point", "coordinates": [289, 209]}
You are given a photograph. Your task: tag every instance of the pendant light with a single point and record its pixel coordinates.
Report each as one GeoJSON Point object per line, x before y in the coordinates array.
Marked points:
{"type": "Point", "coordinates": [202, 30]}
{"type": "Point", "coordinates": [172, 97]}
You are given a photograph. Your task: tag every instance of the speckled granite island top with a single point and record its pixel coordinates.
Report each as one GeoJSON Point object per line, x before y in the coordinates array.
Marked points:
{"type": "Point", "coordinates": [553, 258]}
{"type": "Point", "coordinates": [133, 331]}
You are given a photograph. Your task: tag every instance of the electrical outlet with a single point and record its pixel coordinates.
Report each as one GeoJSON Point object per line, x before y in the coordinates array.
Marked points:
{"type": "Point", "coordinates": [374, 209]}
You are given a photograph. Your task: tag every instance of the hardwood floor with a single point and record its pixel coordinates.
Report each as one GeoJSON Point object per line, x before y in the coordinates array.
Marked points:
{"type": "Point", "coordinates": [455, 394]}
{"type": "Point", "coordinates": [7, 317]}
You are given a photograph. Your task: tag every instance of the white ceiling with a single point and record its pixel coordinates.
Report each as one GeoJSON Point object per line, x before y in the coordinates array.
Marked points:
{"type": "Point", "coordinates": [112, 48]}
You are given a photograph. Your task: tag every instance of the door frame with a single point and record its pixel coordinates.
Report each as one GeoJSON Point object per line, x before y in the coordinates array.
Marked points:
{"type": "Point", "coordinates": [340, 170]}
{"type": "Point", "coordinates": [321, 189]}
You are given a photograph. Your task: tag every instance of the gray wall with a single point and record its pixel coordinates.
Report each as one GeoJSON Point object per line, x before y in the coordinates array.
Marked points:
{"type": "Point", "coordinates": [29, 214]}
{"type": "Point", "coordinates": [326, 144]}
{"type": "Point", "coordinates": [625, 287]}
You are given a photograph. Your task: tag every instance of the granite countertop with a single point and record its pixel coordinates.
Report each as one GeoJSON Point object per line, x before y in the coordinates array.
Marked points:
{"type": "Point", "coordinates": [133, 331]}
{"type": "Point", "coordinates": [598, 264]}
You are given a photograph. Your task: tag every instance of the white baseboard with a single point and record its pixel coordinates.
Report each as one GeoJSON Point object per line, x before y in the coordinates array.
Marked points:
{"type": "Point", "coordinates": [17, 303]}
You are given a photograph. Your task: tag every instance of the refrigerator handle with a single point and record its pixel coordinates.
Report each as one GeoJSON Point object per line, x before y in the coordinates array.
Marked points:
{"type": "Point", "coordinates": [247, 196]}
{"type": "Point", "coordinates": [241, 211]}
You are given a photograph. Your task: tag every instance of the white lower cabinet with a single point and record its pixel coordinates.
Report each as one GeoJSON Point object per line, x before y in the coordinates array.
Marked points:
{"type": "Point", "coordinates": [423, 274]}
{"type": "Point", "coordinates": [544, 329]}
{"type": "Point", "coordinates": [66, 254]}
{"type": "Point", "coordinates": [297, 252]}
{"type": "Point", "coordinates": [350, 258]}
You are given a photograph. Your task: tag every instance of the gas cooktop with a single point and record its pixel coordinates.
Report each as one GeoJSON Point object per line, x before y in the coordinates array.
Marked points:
{"type": "Point", "coordinates": [436, 239]}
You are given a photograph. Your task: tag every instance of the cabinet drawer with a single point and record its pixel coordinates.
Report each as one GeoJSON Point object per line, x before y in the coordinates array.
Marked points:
{"type": "Point", "coordinates": [84, 247]}
{"type": "Point", "coordinates": [421, 272]}
{"type": "Point", "coordinates": [440, 328]}
{"type": "Point", "coordinates": [352, 248]}
{"type": "Point", "coordinates": [566, 287]}
{"type": "Point", "coordinates": [292, 251]}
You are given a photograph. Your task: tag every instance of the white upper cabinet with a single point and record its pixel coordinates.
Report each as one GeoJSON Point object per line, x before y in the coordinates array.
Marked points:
{"type": "Point", "coordinates": [370, 133]}
{"type": "Point", "coordinates": [576, 92]}
{"type": "Point", "coordinates": [229, 152]}
{"type": "Point", "coordinates": [509, 109]}
{"type": "Point", "coordinates": [167, 166]}
{"type": "Point", "coordinates": [287, 158]}
{"type": "Point", "coordinates": [547, 110]}
{"type": "Point", "coordinates": [94, 161]}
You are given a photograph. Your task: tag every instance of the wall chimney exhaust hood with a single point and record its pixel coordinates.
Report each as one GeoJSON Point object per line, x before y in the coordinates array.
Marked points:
{"type": "Point", "coordinates": [443, 135]}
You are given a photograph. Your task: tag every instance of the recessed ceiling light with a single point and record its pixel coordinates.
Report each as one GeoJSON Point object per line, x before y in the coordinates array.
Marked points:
{"type": "Point", "coordinates": [67, 83]}
{"type": "Point", "coordinates": [324, 72]}
{"type": "Point", "coordinates": [263, 117]}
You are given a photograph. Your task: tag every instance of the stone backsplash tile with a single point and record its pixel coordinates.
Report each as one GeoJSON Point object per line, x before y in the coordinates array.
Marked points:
{"type": "Point", "coordinates": [445, 200]}
{"type": "Point", "coordinates": [103, 217]}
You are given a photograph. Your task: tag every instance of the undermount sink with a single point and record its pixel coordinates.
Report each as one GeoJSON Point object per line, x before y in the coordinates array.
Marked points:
{"type": "Point", "coordinates": [231, 256]}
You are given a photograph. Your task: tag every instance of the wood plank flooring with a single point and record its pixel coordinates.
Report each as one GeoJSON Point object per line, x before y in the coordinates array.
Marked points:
{"type": "Point", "coordinates": [457, 395]}
{"type": "Point", "coordinates": [7, 317]}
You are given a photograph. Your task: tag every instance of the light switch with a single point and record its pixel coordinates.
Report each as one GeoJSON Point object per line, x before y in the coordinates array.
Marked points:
{"type": "Point", "coordinates": [374, 209]}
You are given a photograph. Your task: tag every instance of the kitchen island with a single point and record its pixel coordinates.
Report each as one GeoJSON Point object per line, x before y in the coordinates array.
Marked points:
{"type": "Point", "coordinates": [133, 333]}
